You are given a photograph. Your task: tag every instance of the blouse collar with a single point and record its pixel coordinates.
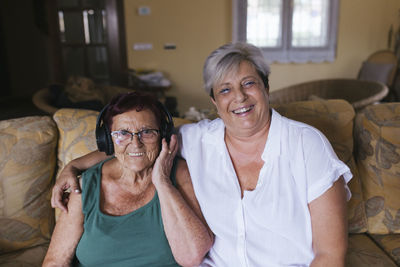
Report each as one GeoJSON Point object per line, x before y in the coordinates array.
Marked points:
{"type": "Point", "coordinates": [215, 134]}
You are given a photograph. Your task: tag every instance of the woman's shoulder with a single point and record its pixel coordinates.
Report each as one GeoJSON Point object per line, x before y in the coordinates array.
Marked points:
{"type": "Point", "coordinates": [181, 168]}
{"type": "Point", "coordinates": [193, 133]}
{"type": "Point", "coordinates": [92, 175]}
{"type": "Point", "coordinates": [202, 126]}
{"type": "Point", "coordinates": [99, 166]}
{"type": "Point", "coordinates": [298, 129]}
{"type": "Point", "coordinates": [297, 135]}
{"type": "Point", "coordinates": [199, 136]}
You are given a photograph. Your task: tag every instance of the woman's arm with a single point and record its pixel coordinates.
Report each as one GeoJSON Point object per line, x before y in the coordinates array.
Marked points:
{"type": "Point", "coordinates": [66, 235]}
{"type": "Point", "coordinates": [68, 177]}
{"type": "Point", "coordinates": [329, 226]}
{"type": "Point", "coordinates": [185, 227]}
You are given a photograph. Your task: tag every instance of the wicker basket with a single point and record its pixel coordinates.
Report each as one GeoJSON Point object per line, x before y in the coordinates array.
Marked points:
{"type": "Point", "coordinates": [358, 93]}
{"type": "Point", "coordinates": [42, 98]}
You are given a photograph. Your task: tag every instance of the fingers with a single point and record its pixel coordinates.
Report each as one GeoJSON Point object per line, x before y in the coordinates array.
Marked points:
{"type": "Point", "coordinates": [65, 199]}
{"type": "Point", "coordinates": [57, 198]}
{"type": "Point", "coordinates": [75, 187]}
{"type": "Point", "coordinates": [168, 152]}
{"type": "Point", "coordinates": [173, 146]}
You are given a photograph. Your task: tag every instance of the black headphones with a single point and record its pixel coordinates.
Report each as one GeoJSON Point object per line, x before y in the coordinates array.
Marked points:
{"type": "Point", "coordinates": [103, 133]}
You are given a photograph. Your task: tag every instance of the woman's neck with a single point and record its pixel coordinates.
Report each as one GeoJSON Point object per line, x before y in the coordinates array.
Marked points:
{"type": "Point", "coordinates": [248, 142]}
{"type": "Point", "coordinates": [129, 179]}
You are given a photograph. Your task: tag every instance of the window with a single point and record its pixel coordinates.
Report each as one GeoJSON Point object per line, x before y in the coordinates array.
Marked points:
{"type": "Point", "coordinates": [288, 30]}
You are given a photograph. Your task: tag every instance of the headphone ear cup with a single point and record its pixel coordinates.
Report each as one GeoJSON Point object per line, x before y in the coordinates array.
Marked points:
{"type": "Point", "coordinates": [103, 135]}
{"type": "Point", "coordinates": [168, 124]}
{"type": "Point", "coordinates": [168, 130]}
{"type": "Point", "coordinates": [109, 141]}
{"type": "Point", "coordinates": [104, 140]}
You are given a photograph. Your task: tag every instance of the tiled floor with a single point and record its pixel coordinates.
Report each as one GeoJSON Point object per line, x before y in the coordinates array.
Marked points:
{"type": "Point", "coordinates": [16, 107]}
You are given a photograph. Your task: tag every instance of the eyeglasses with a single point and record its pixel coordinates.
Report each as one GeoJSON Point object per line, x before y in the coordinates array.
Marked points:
{"type": "Point", "coordinates": [146, 136]}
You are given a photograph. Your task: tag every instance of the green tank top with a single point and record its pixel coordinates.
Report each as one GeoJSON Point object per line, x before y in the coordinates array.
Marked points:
{"type": "Point", "coordinates": [134, 239]}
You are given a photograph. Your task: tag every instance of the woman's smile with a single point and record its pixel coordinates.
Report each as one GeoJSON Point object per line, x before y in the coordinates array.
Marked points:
{"type": "Point", "coordinates": [136, 154]}
{"type": "Point", "coordinates": [243, 110]}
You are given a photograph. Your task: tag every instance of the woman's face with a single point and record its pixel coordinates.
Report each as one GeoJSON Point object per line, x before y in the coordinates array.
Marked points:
{"type": "Point", "coordinates": [136, 155]}
{"type": "Point", "coordinates": [241, 100]}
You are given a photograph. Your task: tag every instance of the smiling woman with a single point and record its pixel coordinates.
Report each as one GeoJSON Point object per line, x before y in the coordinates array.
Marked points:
{"type": "Point", "coordinates": [124, 196]}
{"type": "Point", "coordinates": [265, 182]}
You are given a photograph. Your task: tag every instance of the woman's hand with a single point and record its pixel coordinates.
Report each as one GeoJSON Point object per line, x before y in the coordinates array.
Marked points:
{"type": "Point", "coordinates": [162, 167]}
{"type": "Point", "coordinates": [68, 178]}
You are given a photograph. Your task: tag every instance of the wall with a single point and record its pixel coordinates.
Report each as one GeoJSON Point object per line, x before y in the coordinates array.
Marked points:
{"type": "Point", "coordinates": [198, 27]}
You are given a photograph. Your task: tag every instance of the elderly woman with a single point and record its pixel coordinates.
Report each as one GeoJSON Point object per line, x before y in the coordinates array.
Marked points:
{"type": "Point", "coordinates": [130, 212]}
{"type": "Point", "coordinates": [271, 189]}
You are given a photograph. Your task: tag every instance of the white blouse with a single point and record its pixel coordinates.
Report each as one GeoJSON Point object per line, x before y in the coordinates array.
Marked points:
{"type": "Point", "coordinates": [271, 225]}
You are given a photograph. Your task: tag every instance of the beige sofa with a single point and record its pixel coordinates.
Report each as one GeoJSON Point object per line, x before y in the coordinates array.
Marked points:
{"type": "Point", "coordinates": [33, 148]}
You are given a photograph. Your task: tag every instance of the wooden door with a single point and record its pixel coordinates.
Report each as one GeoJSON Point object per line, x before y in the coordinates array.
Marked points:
{"type": "Point", "coordinates": [90, 40]}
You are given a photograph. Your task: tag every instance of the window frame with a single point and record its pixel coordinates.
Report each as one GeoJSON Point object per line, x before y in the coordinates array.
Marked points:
{"type": "Point", "coordinates": [286, 53]}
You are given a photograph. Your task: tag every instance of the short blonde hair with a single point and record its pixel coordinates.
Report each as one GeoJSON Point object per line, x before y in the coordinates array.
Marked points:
{"type": "Point", "coordinates": [228, 58]}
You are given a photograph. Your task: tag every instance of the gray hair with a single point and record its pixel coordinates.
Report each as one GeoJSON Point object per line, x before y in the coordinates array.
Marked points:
{"type": "Point", "coordinates": [228, 58]}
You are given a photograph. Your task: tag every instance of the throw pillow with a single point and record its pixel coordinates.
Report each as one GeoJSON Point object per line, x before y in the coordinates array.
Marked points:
{"type": "Point", "coordinates": [27, 166]}
{"type": "Point", "coordinates": [377, 131]}
{"type": "Point", "coordinates": [77, 134]}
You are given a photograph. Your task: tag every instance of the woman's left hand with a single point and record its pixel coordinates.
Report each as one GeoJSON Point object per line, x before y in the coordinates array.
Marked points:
{"type": "Point", "coordinates": [162, 167]}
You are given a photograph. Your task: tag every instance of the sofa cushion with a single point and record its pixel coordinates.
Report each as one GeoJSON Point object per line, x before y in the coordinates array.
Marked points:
{"type": "Point", "coordinates": [363, 252]}
{"type": "Point", "coordinates": [334, 118]}
{"type": "Point", "coordinates": [27, 166]}
{"type": "Point", "coordinates": [377, 132]}
{"type": "Point", "coordinates": [77, 133]}
{"type": "Point", "coordinates": [31, 257]}
{"type": "Point", "coordinates": [391, 244]}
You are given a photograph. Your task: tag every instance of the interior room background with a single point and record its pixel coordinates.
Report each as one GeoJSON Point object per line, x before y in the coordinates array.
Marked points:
{"type": "Point", "coordinates": [196, 28]}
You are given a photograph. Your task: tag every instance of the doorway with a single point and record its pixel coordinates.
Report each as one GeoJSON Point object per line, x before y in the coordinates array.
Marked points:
{"type": "Point", "coordinates": [90, 40]}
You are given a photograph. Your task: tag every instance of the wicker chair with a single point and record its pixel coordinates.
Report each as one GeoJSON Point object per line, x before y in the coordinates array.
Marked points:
{"type": "Point", "coordinates": [43, 98]}
{"type": "Point", "coordinates": [358, 93]}
{"type": "Point", "coordinates": [383, 58]}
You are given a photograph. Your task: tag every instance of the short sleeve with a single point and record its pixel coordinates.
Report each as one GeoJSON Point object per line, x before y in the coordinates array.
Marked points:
{"type": "Point", "coordinates": [189, 133]}
{"type": "Point", "coordinates": [323, 168]}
